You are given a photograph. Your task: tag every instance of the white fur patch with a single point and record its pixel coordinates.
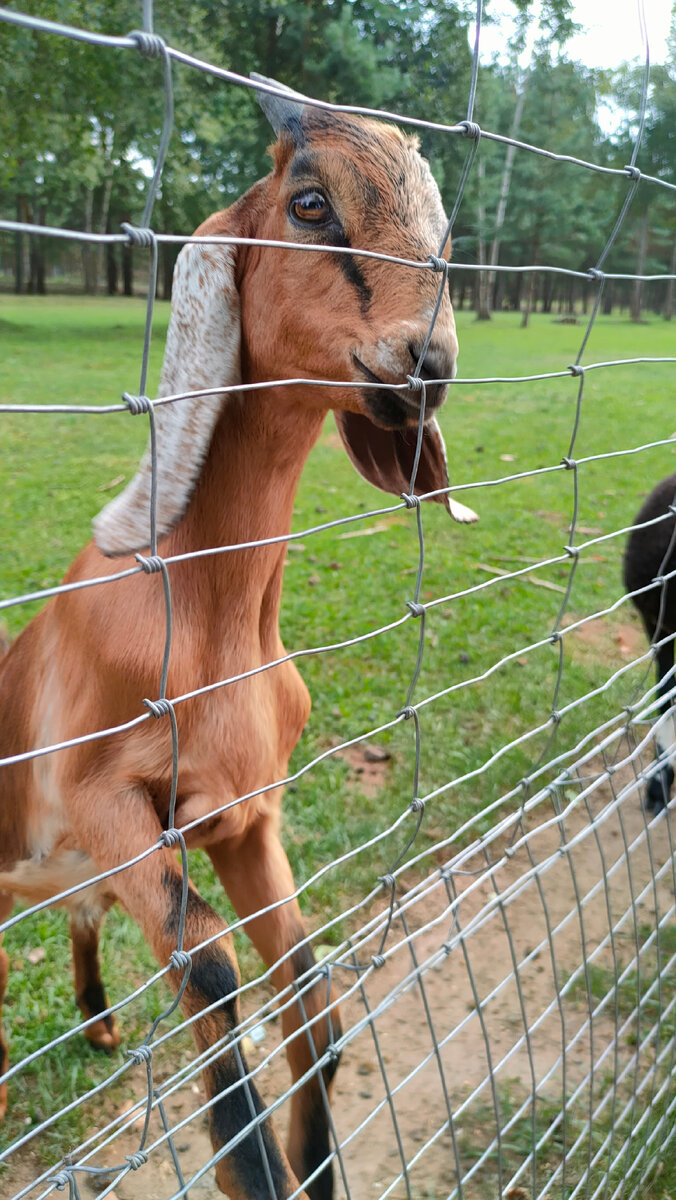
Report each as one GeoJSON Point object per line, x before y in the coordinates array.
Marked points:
{"type": "Point", "coordinates": [202, 350]}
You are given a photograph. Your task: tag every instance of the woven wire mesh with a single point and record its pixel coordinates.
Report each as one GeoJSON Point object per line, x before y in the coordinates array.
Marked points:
{"type": "Point", "coordinates": [506, 985]}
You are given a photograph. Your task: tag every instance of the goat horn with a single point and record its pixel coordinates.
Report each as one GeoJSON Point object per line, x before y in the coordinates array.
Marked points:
{"type": "Point", "coordinates": [282, 113]}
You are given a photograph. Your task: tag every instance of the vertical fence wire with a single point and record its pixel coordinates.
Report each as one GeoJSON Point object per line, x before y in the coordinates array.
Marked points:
{"type": "Point", "coordinates": [593, 1092]}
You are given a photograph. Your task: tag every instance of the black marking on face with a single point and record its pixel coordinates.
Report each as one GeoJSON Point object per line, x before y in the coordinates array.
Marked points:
{"type": "Point", "coordinates": [305, 166]}
{"type": "Point", "coordinates": [354, 274]}
{"type": "Point", "coordinates": [231, 1114]}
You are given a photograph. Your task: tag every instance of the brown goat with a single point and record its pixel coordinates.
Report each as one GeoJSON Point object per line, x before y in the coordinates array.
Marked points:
{"type": "Point", "coordinates": [228, 471]}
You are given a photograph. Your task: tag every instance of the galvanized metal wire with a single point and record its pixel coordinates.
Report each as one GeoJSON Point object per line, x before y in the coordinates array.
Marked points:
{"type": "Point", "coordinates": [569, 1088]}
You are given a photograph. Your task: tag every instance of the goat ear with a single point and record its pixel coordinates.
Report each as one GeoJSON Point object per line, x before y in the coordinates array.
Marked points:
{"type": "Point", "coordinates": [283, 112]}
{"type": "Point", "coordinates": [385, 458]}
{"type": "Point", "coordinates": [202, 351]}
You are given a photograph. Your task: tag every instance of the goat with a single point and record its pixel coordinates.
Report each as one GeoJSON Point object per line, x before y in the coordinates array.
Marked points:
{"type": "Point", "coordinates": [649, 553]}
{"type": "Point", "coordinates": [228, 472]}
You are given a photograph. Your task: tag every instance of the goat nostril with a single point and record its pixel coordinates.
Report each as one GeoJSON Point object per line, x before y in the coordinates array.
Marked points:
{"type": "Point", "coordinates": [433, 366]}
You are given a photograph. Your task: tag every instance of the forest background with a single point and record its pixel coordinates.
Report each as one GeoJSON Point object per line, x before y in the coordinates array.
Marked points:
{"type": "Point", "coordinates": [79, 128]}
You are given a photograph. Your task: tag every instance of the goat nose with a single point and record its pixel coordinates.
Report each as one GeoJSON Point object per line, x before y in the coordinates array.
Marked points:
{"type": "Point", "coordinates": [436, 364]}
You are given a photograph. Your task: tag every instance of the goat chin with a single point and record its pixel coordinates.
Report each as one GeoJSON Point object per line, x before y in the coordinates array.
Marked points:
{"type": "Point", "coordinates": [228, 465]}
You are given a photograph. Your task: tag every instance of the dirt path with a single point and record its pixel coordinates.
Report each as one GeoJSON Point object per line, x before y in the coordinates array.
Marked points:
{"type": "Point", "coordinates": [540, 920]}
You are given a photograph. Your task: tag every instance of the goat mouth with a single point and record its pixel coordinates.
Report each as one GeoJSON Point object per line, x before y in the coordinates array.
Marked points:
{"type": "Point", "coordinates": [396, 409]}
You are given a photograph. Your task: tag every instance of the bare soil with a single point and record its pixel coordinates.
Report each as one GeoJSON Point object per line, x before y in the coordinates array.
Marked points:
{"type": "Point", "coordinates": [466, 1035]}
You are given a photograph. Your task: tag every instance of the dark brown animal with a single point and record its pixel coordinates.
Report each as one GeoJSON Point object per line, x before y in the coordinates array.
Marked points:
{"type": "Point", "coordinates": [649, 553]}
{"type": "Point", "coordinates": [228, 471]}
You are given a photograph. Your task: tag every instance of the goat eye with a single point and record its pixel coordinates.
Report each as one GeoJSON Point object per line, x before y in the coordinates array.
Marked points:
{"type": "Point", "coordinates": [311, 207]}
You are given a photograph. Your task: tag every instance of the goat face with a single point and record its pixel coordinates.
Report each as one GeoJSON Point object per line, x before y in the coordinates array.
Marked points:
{"type": "Point", "coordinates": [346, 182]}
{"type": "Point", "coordinates": [253, 314]}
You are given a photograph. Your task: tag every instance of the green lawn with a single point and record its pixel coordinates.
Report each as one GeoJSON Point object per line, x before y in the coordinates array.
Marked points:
{"type": "Point", "coordinates": [54, 472]}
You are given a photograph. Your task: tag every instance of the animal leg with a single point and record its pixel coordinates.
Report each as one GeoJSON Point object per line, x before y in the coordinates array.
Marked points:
{"type": "Point", "coordinates": [658, 790]}
{"type": "Point", "coordinates": [6, 905]}
{"type": "Point", "coordinates": [255, 875]}
{"type": "Point", "coordinates": [89, 990]}
{"type": "Point", "coordinates": [151, 892]}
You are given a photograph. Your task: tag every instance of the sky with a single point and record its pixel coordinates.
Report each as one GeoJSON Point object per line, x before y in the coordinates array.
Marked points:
{"type": "Point", "coordinates": [612, 32]}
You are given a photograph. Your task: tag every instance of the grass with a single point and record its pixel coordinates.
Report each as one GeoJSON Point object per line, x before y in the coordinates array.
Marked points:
{"type": "Point", "coordinates": [56, 472]}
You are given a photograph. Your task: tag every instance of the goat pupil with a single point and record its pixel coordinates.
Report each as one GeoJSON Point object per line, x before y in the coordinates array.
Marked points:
{"type": "Point", "coordinates": [311, 207]}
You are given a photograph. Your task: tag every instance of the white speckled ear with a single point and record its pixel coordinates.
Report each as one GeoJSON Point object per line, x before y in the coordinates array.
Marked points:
{"type": "Point", "coordinates": [202, 351]}
{"type": "Point", "coordinates": [385, 458]}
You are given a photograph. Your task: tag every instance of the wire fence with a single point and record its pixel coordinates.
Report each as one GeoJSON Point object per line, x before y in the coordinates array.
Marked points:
{"type": "Point", "coordinates": [506, 985]}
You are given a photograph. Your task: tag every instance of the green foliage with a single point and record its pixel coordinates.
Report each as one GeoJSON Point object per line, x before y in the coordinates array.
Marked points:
{"type": "Point", "coordinates": [79, 125]}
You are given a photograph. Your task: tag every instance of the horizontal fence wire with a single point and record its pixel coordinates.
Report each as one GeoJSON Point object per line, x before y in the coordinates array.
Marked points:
{"type": "Point", "coordinates": [500, 989]}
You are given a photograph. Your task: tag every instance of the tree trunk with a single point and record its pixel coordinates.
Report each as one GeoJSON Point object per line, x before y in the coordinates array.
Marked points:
{"type": "Point", "coordinates": [37, 256]}
{"type": "Point", "coordinates": [19, 249]}
{"type": "Point", "coordinates": [112, 271]}
{"type": "Point", "coordinates": [103, 222]}
{"type": "Point", "coordinates": [641, 252]}
{"type": "Point", "coordinates": [530, 294]}
{"type": "Point", "coordinates": [169, 256]}
{"type": "Point", "coordinates": [669, 298]}
{"type": "Point", "coordinates": [505, 184]}
{"type": "Point", "coordinates": [482, 290]}
{"type": "Point", "coordinates": [88, 261]}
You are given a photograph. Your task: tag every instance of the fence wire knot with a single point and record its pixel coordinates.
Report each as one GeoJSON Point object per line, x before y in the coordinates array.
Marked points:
{"type": "Point", "coordinates": [576, 369]}
{"type": "Point", "coordinates": [63, 1179]}
{"type": "Point", "coordinates": [151, 45]}
{"type": "Point", "coordinates": [555, 717]}
{"type": "Point", "coordinates": [415, 608]}
{"type": "Point", "coordinates": [594, 273]}
{"type": "Point", "coordinates": [179, 960]}
{"type": "Point", "coordinates": [410, 501]}
{"type": "Point", "coordinates": [417, 804]}
{"type": "Point", "coordinates": [470, 129]}
{"type": "Point", "coordinates": [632, 172]}
{"type": "Point", "coordinates": [387, 880]}
{"type": "Point", "coordinates": [136, 235]}
{"type": "Point", "coordinates": [151, 565]}
{"type": "Point", "coordinates": [439, 264]}
{"type": "Point", "coordinates": [556, 637]}
{"type": "Point", "coordinates": [141, 1054]}
{"type": "Point", "coordinates": [572, 551]}
{"type": "Point", "coordinates": [136, 1160]}
{"type": "Point", "coordinates": [415, 383]}
{"type": "Point", "coordinates": [158, 708]}
{"type": "Point", "coordinates": [136, 404]}
{"type": "Point", "coordinates": [170, 837]}
{"type": "Point", "coordinates": [407, 712]}
{"type": "Point", "coordinates": [569, 463]}
{"type": "Point", "coordinates": [378, 961]}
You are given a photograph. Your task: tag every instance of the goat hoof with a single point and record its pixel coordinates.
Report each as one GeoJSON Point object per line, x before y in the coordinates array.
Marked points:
{"type": "Point", "coordinates": [103, 1035]}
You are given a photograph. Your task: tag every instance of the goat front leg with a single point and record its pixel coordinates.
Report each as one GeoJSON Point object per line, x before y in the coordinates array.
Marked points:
{"type": "Point", "coordinates": [89, 990]}
{"type": "Point", "coordinates": [255, 875]}
{"type": "Point", "coordinates": [117, 828]}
